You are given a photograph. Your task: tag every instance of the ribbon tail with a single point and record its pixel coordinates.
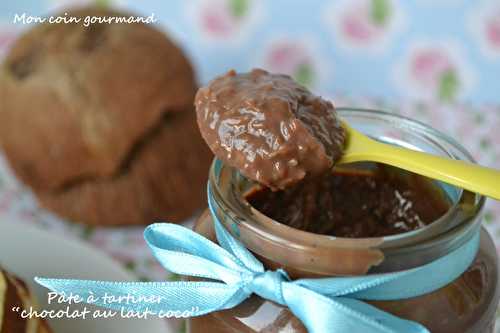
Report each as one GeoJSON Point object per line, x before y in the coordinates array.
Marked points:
{"type": "Point", "coordinates": [231, 244]}
{"type": "Point", "coordinates": [342, 315]}
{"type": "Point", "coordinates": [182, 251]}
{"type": "Point", "coordinates": [190, 298]}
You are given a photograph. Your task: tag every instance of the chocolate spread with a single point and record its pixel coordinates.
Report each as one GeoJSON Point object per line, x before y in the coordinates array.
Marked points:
{"type": "Point", "coordinates": [355, 203]}
{"type": "Point", "coordinates": [269, 127]}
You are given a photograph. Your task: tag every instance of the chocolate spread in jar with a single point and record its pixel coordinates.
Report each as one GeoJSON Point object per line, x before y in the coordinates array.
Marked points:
{"type": "Point", "coordinates": [269, 127]}
{"type": "Point", "coordinates": [355, 203]}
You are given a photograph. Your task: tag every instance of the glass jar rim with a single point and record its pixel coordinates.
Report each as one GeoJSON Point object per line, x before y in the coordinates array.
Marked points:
{"type": "Point", "coordinates": [403, 241]}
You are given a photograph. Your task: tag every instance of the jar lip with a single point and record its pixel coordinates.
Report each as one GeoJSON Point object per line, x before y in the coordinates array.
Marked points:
{"type": "Point", "coordinates": [389, 241]}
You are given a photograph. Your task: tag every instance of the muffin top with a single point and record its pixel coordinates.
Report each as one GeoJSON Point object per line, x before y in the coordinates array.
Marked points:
{"type": "Point", "coordinates": [76, 100]}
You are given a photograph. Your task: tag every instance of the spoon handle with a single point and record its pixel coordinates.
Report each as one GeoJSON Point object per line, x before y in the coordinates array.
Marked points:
{"type": "Point", "coordinates": [463, 174]}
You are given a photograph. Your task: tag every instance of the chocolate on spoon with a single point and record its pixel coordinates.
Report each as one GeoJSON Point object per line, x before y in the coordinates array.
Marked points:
{"type": "Point", "coordinates": [269, 127]}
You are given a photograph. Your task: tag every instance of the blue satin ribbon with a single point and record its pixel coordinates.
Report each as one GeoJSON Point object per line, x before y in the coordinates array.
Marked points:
{"type": "Point", "coordinates": [331, 304]}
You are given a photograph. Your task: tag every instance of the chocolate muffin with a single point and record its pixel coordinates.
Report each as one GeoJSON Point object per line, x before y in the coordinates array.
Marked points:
{"type": "Point", "coordinates": [98, 121]}
{"type": "Point", "coordinates": [15, 293]}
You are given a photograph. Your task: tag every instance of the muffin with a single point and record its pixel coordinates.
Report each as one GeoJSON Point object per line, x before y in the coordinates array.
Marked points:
{"type": "Point", "coordinates": [15, 293]}
{"type": "Point", "coordinates": [163, 180]}
{"type": "Point", "coordinates": [98, 121]}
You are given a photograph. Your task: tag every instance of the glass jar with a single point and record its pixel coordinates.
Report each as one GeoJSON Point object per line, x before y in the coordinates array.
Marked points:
{"type": "Point", "coordinates": [468, 304]}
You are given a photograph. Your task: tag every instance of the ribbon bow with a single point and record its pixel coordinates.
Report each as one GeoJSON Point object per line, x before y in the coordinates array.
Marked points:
{"type": "Point", "coordinates": [323, 305]}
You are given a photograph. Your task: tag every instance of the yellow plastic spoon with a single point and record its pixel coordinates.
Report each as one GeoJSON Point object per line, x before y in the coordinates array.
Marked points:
{"type": "Point", "coordinates": [463, 174]}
